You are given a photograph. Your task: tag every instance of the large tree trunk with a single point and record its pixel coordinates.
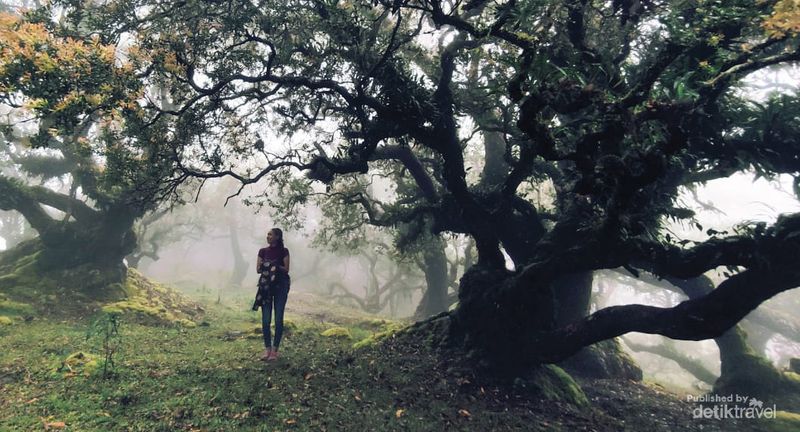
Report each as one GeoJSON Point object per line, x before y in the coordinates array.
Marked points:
{"type": "Point", "coordinates": [434, 299]}
{"type": "Point", "coordinates": [240, 266]}
{"type": "Point", "coordinates": [103, 246]}
{"type": "Point", "coordinates": [744, 372]}
{"type": "Point", "coordinates": [34, 273]}
{"type": "Point", "coordinates": [495, 166]}
{"type": "Point", "coordinates": [573, 295]}
{"type": "Point", "coordinates": [607, 359]}
{"type": "Point", "coordinates": [82, 253]}
{"type": "Point", "coordinates": [495, 324]}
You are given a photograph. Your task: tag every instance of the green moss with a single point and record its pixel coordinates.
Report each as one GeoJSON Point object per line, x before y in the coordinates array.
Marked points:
{"type": "Point", "coordinates": [784, 421]}
{"type": "Point", "coordinates": [8, 307]}
{"type": "Point", "coordinates": [186, 323]}
{"type": "Point", "coordinates": [373, 324]}
{"type": "Point", "coordinates": [21, 280]}
{"type": "Point", "coordinates": [552, 383]}
{"type": "Point", "coordinates": [151, 303]}
{"type": "Point", "coordinates": [756, 377]}
{"type": "Point", "coordinates": [289, 326]}
{"type": "Point", "coordinates": [80, 363]}
{"type": "Point", "coordinates": [4, 320]}
{"type": "Point", "coordinates": [603, 360]}
{"type": "Point", "coordinates": [338, 333]}
{"type": "Point", "coordinates": [162, 375]}
{"type": "Point", "coordinates": [390, 330]}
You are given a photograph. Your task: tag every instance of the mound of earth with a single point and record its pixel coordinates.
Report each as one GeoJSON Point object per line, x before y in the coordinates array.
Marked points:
{"type": "Point", "coordinates": [29, 291]}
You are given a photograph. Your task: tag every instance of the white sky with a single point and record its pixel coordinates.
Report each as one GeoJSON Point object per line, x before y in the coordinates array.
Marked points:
{"type": "Point", "coordinates": [740, 199]}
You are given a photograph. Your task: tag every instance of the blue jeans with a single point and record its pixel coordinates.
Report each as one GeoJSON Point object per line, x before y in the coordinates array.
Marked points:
{"type": "Point", "coordinates": [276, 297]}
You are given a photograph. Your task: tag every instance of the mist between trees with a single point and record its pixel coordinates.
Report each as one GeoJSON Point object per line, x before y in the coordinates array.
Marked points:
{"type": "Point", "coordinates": [487, 159]}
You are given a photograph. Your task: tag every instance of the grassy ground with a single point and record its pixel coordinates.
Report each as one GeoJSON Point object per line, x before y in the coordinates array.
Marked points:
{"type": "Point", "coordinates": [208, 378]}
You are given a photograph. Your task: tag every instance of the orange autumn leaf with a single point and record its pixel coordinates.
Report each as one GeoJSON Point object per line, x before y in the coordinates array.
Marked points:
{"type": "Point", "coordinates": [30, 55]}
{"type": "Point", "coordinates": [785, 19]}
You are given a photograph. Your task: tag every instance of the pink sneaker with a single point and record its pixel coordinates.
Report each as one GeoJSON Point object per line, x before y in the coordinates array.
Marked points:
{"type": "Point", "coordinates": [264, 356]}
{"type": "Point", "coordinates": [273, 355]}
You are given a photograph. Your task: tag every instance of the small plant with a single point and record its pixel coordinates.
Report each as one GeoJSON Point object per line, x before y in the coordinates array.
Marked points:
{"type": "Point", "coordinates": [105, 329]}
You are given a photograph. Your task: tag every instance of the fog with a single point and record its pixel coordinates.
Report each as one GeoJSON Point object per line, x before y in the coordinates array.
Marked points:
{"type": "Point", "coordinates": [203, 244]}
{"type": "Point", "coordinates": [720, 205]}
{"type": "Point", "coordinates": [211, 246]}
{"type": "Point", "coordinates": [206, 258]}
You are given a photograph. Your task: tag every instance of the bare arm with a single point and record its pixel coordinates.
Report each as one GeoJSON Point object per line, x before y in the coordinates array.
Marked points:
{"type": "Point", "coordinates": [258, 264]}
{"type": "Point", "coordinates": [286, 263]}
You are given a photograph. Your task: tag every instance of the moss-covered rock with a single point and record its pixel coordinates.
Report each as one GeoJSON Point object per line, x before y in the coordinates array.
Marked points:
{"type": "Point", "coordinates": [79, 363]}
{"type": "Point", "coordinates": [5, 321]}
{"type": "Point", "coordinates": [603, 360]}
{"type": "Point", "coordinates": [338, 333]}
{"type": "Point", "coordinates": [552, 383]}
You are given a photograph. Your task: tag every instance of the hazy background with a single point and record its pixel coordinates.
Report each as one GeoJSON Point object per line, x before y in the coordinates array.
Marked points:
{"type": "Point", "coordinates": [211, 246]}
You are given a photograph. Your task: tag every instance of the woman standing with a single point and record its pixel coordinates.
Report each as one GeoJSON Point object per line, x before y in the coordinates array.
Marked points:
{"type": "Point", "coordinates": [273, 265]}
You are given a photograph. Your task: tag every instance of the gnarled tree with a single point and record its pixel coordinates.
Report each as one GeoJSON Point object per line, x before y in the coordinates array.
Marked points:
{"type": "Point", "coordinates": [74, 127]}
{"type": "Point", "coordinates": [613, 106]}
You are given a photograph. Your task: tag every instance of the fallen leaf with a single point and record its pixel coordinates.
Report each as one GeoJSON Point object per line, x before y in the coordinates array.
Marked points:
{"type": "Point", "coordinates": [291, 421]}
{"type": "Point", "coordinates": [242, 415]}
{"type": "Point", "coordinates": [55, 425]}
{"type": "Point", "coordinates": [464, 413]}
{"type": "Point", "coordinates": [399, 413]}
{"type": "Point", "coordinates": [308, 376]}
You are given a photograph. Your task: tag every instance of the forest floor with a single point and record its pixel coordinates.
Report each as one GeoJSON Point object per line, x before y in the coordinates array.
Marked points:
{"type": "Point", "coordinates": [209, 378]}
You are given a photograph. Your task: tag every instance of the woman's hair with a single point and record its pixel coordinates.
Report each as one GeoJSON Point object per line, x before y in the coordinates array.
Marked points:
{"type": "Point", "coordinates": [278, 233]}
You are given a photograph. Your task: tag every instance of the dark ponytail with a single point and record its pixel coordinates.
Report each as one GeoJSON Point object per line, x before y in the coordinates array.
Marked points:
{"type": "Point", "coordinates": [277, 232]}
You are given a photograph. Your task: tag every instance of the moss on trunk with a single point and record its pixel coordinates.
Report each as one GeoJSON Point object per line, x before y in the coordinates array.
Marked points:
{"type": "Point", "coordinates": [603, 360]}
{"type": "Point", "coordinates": [26, 276]}
{"type": "Point", "coordinates": [746, 373]}
{"type": "Point", "coordinates": [552, 383]}
{"type": "Point", "coordinates": [33, 287]}
{"type": "Point", "coordinates": [496, 325]}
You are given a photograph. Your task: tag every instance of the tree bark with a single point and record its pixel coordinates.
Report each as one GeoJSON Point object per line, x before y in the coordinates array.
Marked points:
{"type": "Point", "coordinates": [240, 266]}
{"type": "Point", "coordinates": [434, 265]}
{"type": "Point", "coordinates": [87, 239]}
{"type": "Point", "coordinates": [573, 295]}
